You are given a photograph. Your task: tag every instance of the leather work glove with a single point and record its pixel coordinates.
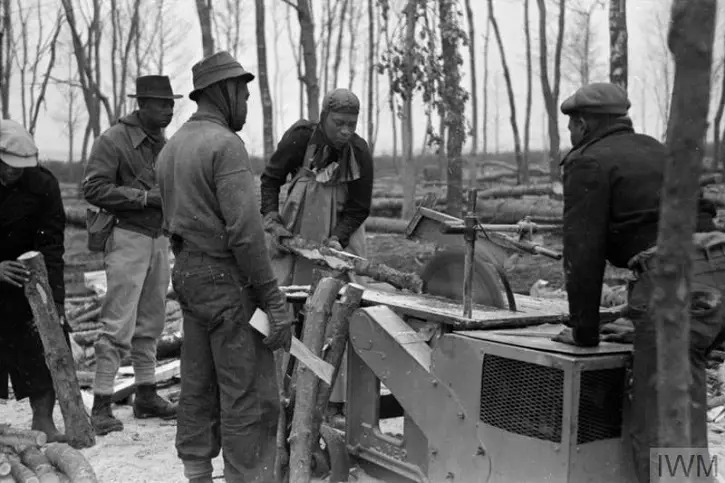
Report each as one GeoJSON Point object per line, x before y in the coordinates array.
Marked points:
{"type": "Point", "coordinates": [280, 323]}
{"type": "Point", "coordinates": [274, 226]}
{"type": "Point", "coordinates": [334, 243]}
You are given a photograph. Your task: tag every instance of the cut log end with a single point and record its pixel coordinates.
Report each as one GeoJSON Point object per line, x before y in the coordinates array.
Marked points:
{"type": "Point", "coordinates": [27, 256]}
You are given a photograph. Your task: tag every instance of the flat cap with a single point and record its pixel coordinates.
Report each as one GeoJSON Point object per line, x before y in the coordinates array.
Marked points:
{"type": "Point", "coordinates": [17, 148]}
{"type": "Point", "coordinates": [597, 98]}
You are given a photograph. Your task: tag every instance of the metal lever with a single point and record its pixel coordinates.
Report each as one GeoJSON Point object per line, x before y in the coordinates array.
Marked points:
{"type": "Point", "coordinates": [470, 223]}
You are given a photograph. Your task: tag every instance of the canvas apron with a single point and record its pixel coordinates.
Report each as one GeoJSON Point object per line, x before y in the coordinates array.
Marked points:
{"type": "Point", "coordinates": [311, 210]}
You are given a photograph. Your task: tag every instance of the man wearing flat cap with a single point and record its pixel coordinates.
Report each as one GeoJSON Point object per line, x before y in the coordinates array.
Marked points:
{"type": "Point", "coordinates": [329, 195]}
{"type": "Point", "coordinates": [612, 183]}
{"type": "Point", "coordinates": [120, 180]}
{"type": "Point", "coordinates": [31, 218]}
{"type": "Point", "coordinates": [229, 400]}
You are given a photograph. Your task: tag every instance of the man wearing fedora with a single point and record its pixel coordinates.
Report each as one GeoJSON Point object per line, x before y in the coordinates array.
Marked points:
{"type": "Point", "coordinates": [120, 179]}
{"type": "Point", "coordinates": [229, 396]}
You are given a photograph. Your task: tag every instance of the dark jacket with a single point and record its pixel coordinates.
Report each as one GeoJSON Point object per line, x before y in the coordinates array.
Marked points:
{"type": "Point", "coordinates": [209, 198]}
{"type": "Point", "coordinates": [120, 172]}
{"type": "Point", "coordinates": [288, 158]}
{"type": "Point", "coordinates": [612, 183]}
{"type": "Point", "coordinates": [31, 218]}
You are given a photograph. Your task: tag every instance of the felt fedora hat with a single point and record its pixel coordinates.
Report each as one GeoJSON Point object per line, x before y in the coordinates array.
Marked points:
{"type": "Point", "coordinates": [216, 68]}
{"type": "Point", "coordinates": [154, 86]}
{"type": "Point", "coordinates": [17, 148]}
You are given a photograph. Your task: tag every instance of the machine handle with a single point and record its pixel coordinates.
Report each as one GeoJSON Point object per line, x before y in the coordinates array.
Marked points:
{"type": "Point", "coordinates": [548, 253]}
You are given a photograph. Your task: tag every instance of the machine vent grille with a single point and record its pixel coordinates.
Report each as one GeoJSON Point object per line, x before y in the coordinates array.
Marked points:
{"type": "Point", "coordinates": [600, 405]}
{"type": "Point", "coordinates": [522, 398]}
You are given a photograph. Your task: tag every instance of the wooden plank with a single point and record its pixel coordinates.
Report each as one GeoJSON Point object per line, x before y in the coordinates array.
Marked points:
{"type": "Point", "coordinates": [164, 372]}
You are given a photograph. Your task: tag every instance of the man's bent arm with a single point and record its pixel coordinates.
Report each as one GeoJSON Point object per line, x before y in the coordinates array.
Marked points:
{"type": "Point", "coordinates": [586, 215]}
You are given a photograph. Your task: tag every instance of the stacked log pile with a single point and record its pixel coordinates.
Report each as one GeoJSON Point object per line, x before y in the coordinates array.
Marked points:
{"type": "Point", "coordinates": [26, 458]}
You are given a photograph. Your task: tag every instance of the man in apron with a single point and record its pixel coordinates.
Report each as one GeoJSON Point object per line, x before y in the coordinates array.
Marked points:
{"type": "Point", "coordinates": [329, 195]}
{"type": "Point", "coordinates": [612, 183]}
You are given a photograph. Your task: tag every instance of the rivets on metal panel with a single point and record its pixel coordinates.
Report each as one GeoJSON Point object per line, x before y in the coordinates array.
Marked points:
{"type": "Point", "coordinates": [461, 415]}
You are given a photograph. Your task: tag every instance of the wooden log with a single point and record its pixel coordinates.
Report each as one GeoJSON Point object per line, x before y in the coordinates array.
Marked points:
{"type": "Point", "coordinates": [7, 479]}
{"type": "Point", "coordinates": [4, 465]}
{"type": "Point", "coordinates": [19, 471]}
{"type": "Point", "coordinates": [71, 462]}
{"type": "Point", "coordinates": [716, 401]}
{"type": "Point", "coordinates": [39, 464]}
{"type": "Point", "coordinates": [10, 436]}
{"type": "Point", "coordinates": [376, 224]}
{"type": "Point", "coordinates": [541, 189]}
{"type": "Point", "coordinates": [86, 326]}
{"type": "Point", "coordinates": [281, 462]}
{"type": "Point", "coordinates": [57, 353]}
{"type": "Point", "coordinates": [343, 261]}
{"type": "Point", "coordinates": [318, 309]}
{"type": "Point", "coordinates": [86, 338]}
{"type": "Point", "coordinates": [337, 333]}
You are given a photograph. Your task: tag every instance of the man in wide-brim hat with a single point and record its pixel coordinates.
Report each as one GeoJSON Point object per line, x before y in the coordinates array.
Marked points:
{"type": "Point", "coordinates": [222, 272]}
{"type": "Point", "coordinates": [120, 180]}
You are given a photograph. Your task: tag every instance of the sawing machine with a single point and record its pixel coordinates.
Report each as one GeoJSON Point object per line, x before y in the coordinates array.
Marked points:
{"type": "Point", "coordinates": [485, 395]}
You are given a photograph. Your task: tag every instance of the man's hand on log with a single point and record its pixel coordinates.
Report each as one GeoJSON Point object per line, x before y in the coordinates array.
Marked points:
{"type": "Point", "coordinates": [333, 243]}
{"type": "Point", "coordinates": [14, 273]}
{"type": "Point", "coordinates": [277, 232]}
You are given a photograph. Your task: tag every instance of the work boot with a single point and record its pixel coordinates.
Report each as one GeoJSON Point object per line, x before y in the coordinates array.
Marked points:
{"type": "Point", "coordinates": [148, 404]}
{"type": "Point", "coordinates": [102, 417]}
{"type": "Point", "coordinates": [42, 407]}
{"type": "Point", "coordinates": [202, 479]}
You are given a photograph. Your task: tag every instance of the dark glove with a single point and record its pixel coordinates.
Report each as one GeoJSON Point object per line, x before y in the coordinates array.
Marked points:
{"type": "Point", "coordinates": [275, 227]}
{"type": "Point", "coordinates": [280, 323]}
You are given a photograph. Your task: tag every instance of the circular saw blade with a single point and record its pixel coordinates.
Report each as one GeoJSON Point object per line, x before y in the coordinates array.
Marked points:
{"type": "Point", "coordinates": [443, 276]}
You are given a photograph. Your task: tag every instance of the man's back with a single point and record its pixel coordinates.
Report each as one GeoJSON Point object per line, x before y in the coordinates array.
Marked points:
{"type": "Point", "coordinates": [634, 167]}
{"type": "Point", "coordinates": [193, 158]}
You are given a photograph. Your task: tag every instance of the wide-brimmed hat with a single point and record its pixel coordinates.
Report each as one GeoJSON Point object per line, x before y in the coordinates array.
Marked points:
{"type": "Point", "coordinates": [597, 98]}
{"type": "Point", "coordinates": [215, 68]}
{"type": "Point", "coordinates": [17, 148]}
{"type": "Point", "coordinates": [155, 87]}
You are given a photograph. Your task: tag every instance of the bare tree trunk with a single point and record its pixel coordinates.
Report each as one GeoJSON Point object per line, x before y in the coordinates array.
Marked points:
{"type": "Point", "coordinates": [474, 83]}
{"type": "Point", "coordinates": [371, 74]}
{"type": "Point", "coordinates": [307, 34]}
{"type": "Point", "coordinates": [353, 26]}
{"type": "Point", "coordinates": [391, 94]}
{"type": "Point", "coordinates": [204, 9]}
{"type": "Point", "coordinates": [618, 42]}
{"type": "Point", "coordinates": [454, 97]}
{"type": "Point", "coordinates": [551, 92]}
{"type": "Point", "coordinates": [691, 42]}
{"type": "Point", "coordinates": [522, 175]}
{"type": "Point", "coordinates": [267, 114]}
{"type": "Point", "coordinates": [529, 84]}
{"type": "Point", "coordinates": [6, 41]}
{"type": "Point", "coordinates": [717, 142]}
{"type": "Point", "coordinates": [410, 168]}
{"type": "Point", "coordinates": [338, 48]}
{"type": "Point", "coordinates": [486, 39]}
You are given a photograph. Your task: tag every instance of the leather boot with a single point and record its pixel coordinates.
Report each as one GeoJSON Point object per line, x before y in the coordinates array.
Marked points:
{"type": "Point", "coordinates": [148, 404]}
{"type": "Point", "coordinates": [102, 417]}
{"type": "Point", "coordinates": [42, 407]}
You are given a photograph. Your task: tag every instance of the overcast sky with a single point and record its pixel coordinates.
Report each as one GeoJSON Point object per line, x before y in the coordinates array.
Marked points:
{"type": "Point", "coordinates": [647, 20]}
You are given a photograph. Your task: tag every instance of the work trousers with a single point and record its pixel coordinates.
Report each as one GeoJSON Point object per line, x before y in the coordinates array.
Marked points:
{"type": "Point", "coordinates": [707, 331]}
{"type": "Point", "coordinates": [134, 309]}
{"type": "Point", "coordinates": [229, 399]}
{"type": "Point", "coordinates": [22, 357]}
